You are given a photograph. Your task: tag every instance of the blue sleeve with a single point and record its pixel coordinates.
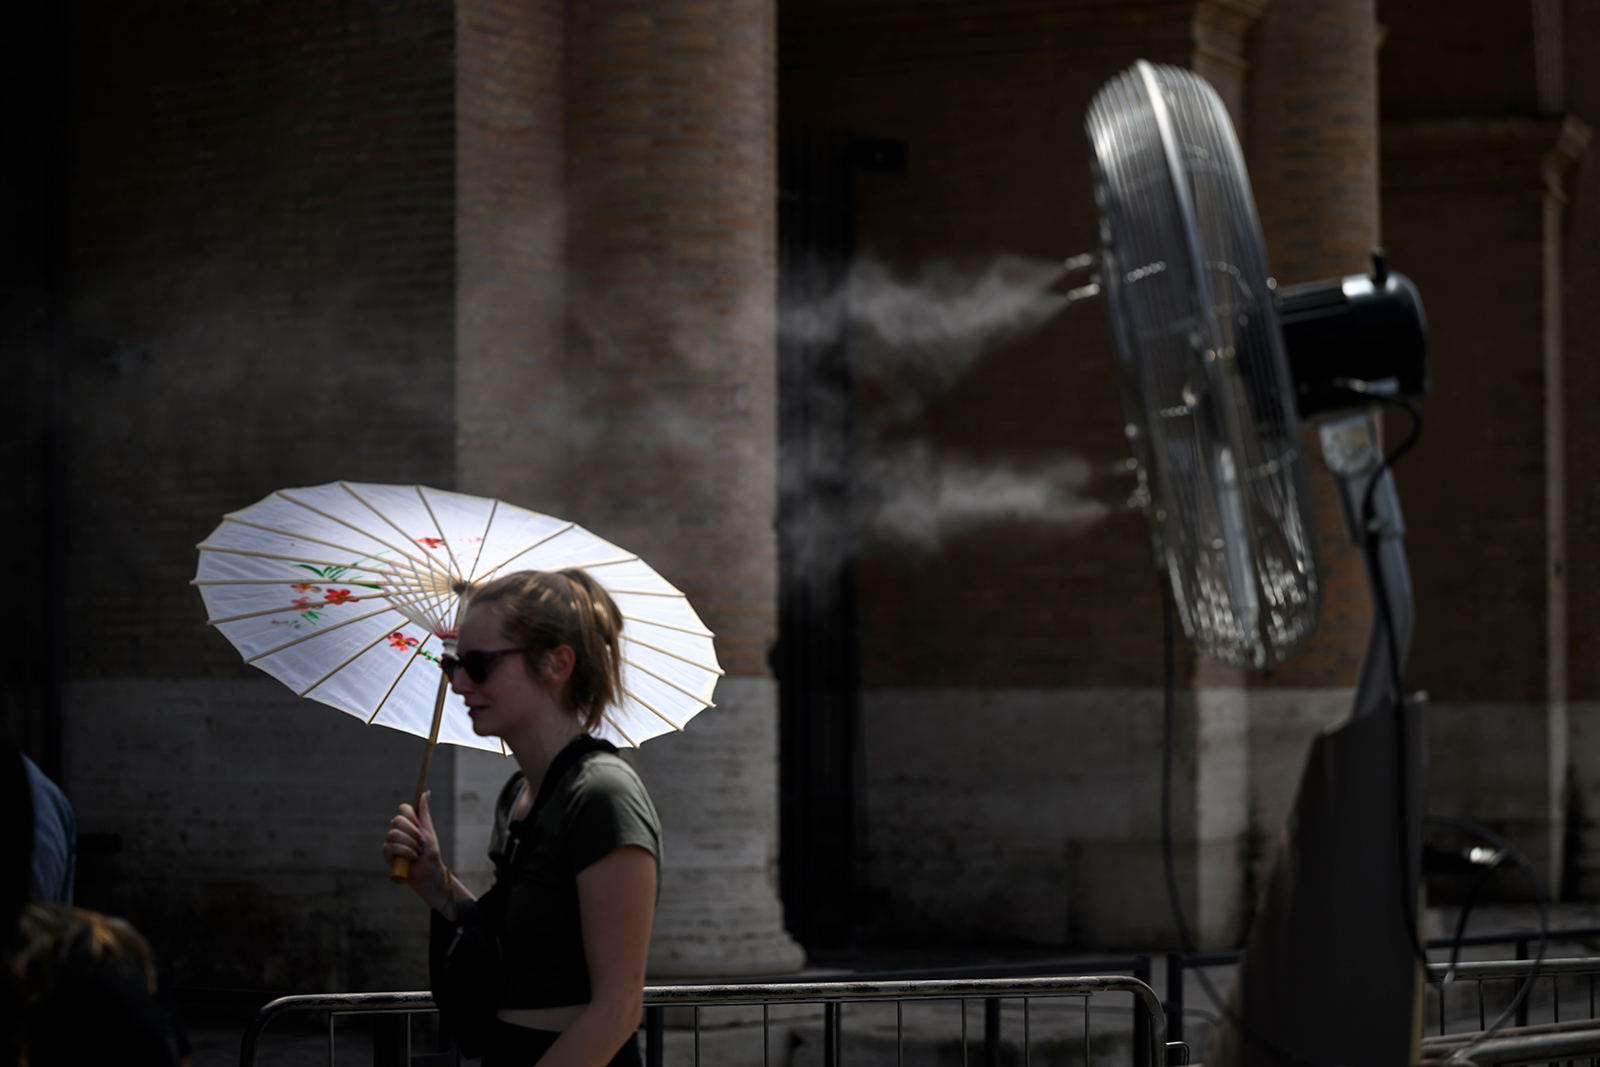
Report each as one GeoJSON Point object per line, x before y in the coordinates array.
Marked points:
{"type": "Point", "coordinates": [55, 839]}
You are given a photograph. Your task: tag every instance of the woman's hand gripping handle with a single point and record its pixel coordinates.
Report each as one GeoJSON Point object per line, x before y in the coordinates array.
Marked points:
{"type": "Point", "coordinates": [411, 848]}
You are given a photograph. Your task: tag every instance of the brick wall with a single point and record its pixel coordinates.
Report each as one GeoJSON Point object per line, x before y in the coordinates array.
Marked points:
{"type": "Point", "coordinates": [991, 107]}
{"type": "Point", "coordinates": [261, 289]}
{"type": "Point", "coordinates": [990, 100]}
{"type": "Point", "coordinates": [672, 417]}
{"type": "Point", "coordinates": [1311, 142]}
{"type": "Point", "coordinates": [1026, 635]}
{"type": "Point", "coordinates": [510, 230]}
{"type": "Point", "coordinates": [1457, 57]}
{"type": "Point", "coordinates": [1462, 217]}
{"type": "Point", "coordinates": [1474, 492]}
{"type": "Point", "coordinates": [1583, 357]}
{"type": "Point", "coordinates": [1465, 156]}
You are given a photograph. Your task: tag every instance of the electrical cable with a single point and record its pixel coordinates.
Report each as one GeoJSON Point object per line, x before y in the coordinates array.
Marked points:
{"type": "Point", "coordinates": [1466, 910]}
{"type": "Point", "coordinates": [1372, 537]}
{"type": "Point", "coordinates": [1510, 850]}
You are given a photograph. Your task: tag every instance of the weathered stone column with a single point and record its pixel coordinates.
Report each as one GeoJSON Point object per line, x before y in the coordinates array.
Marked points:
{"type": "Point", "coordinates": [1311, 141]}
{"type": "Point", "coordinates": [672, 378]}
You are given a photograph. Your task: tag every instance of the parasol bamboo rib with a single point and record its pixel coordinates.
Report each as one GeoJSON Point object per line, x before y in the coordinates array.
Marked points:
{"type": "Point", "coordinates": [291, 559]}
{"type": "Point", "coordinates": [291, 535]}
{"type": "Point", "coordinates": [294, 579]}
{"type": "Point", "coordinates": [619, 729]}
{"type": "Point", "coordinates": [415, 652]}
{"type": "Point", "coordinates": [667, 681]}
{"type": "Point", "coordinates": [718, 671]}
{"type": "Point", "coordinates": [315, 633]}
{"type": "Point", "coordinates": [637, 699]}
{"type": "Point", "coordinates": [455, 564]}
{"type": "Point", "coordinates": [430, 600]}
{"type": "Point", "coordinates": [606, 563]}
{"type": "Point", "coordinates": [406, 552]}
{"type": "Point", "coordinates": [296, 607]}
{"type": "Point", "coordinates": [487, 526]}
{"type": "Point", "coordinates": [547, 537]}
{"type": "Point", "coordinates": [420, 601]}
{"type": "Point", "coordinates": [645, 592]}
{"type": "Point", "coordinates": [467, 582]}
{"type": "Point", "coordinates": [423, 571]}
{"type": "Point", "coordinates": [373, 508]}
{"type": "Point", "coordinates": [702, 632]}
{"type": "Point", "coordinates": [401, 871]}
{"type": "Point", "coordinates": [348, 660]}
{"type": "Point", "coordinates": [574, 560]}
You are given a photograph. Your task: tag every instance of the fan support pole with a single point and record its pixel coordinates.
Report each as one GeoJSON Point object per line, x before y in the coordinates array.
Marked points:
{"type": "Point", "coordinates": [1331, 973]}
{"type": "Point", "coordinates": [400, 873]}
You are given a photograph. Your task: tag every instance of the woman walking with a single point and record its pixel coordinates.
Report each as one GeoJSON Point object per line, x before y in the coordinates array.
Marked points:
{"type": "Point", "coordinates": [548, 967]}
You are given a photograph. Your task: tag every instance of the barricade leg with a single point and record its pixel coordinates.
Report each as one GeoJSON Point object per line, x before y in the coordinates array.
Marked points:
{"type": "Point", "coordinates": [1174, 996]}
{"type": "Point", "coordinates": [655, 1036]}
{"type": "Point", "coordinates": [1141, 1018]}
{"type": "Point", "coordinates": [991, 1032]}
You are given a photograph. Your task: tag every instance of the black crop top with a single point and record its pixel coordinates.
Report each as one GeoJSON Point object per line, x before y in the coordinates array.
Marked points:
{"type": "Point", "coordinates": [599, 805]}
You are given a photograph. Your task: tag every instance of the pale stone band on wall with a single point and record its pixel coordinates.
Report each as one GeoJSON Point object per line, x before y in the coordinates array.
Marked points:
{"type": "Point", "coordinates": [715, 786]}
{"type": "Point", "coordinates": [1033, 815]}
{"type": "Point", "coordinates": [235, 791]}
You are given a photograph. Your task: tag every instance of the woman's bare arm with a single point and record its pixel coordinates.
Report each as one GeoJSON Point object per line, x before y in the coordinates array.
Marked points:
{"type": "Point", "coordinates": [617, 901]}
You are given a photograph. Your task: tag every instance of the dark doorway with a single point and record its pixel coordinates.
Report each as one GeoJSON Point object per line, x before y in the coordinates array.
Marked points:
{"type": "Point", "coordinates": [32, 273]}
{"type": "Point", "coordinates": [816, 656]}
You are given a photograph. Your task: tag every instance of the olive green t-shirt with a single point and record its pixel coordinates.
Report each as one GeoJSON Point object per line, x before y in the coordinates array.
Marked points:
{"type": "Point", "coordinates": [600, 805]}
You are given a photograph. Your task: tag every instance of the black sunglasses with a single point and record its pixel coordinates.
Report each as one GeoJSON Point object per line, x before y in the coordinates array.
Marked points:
{"type": "Point", "coordinates": [475, 663]}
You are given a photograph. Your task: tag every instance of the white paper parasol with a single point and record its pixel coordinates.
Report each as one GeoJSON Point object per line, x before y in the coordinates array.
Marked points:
{"type": "Point", "coordinates": [349, 593]}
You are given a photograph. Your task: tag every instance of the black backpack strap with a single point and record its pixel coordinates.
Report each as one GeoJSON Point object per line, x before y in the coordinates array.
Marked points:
{"type": "Point", "coordinates": [565, 760]}
{"type": "Point", "coordinates": [559, 768]}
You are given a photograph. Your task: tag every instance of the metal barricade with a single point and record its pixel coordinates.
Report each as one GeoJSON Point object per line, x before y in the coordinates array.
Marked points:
{"type": "Point", "coordinates": [1180, 963]}
{"type": "Point", "coordinates": [1534, 1044]}
{"type": "Point", "coordinates": [1561, 986]}
{"type": "Point", "coordinates": [1151, 1045]}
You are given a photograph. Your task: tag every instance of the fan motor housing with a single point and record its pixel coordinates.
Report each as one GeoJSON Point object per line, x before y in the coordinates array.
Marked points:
{"type": "Point", "coordinates": [1359, 328]}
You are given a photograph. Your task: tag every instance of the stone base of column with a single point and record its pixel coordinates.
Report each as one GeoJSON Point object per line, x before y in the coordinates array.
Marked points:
{"type": "Point", "coordinates": [716, 788]}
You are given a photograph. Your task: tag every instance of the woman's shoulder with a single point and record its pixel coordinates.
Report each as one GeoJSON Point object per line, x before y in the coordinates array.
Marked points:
{"type": "Point", "coordinates": [608, 806]}
{"type": "Point", "coordinates": [607, 774]}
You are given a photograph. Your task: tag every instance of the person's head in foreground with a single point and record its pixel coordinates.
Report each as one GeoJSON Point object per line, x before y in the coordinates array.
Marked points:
{"type": "Point", "coordinates": [537, 651]}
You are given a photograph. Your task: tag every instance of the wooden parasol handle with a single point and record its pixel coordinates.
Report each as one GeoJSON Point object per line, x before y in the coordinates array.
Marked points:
{"type": "Point", "coordinates": [400, 872]}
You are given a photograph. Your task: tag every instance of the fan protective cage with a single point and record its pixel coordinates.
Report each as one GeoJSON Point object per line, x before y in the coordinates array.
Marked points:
{"type": "Point", "coordinates": [1200, 362]}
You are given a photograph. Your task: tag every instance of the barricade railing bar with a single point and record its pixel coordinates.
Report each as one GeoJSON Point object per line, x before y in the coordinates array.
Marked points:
{"type": "Point", "coordinates": [1180, 962]}
{"type": "Point", "coordinates": [392, 1045]}
{"type": "Point", "coordinates": [1528, 1049]}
